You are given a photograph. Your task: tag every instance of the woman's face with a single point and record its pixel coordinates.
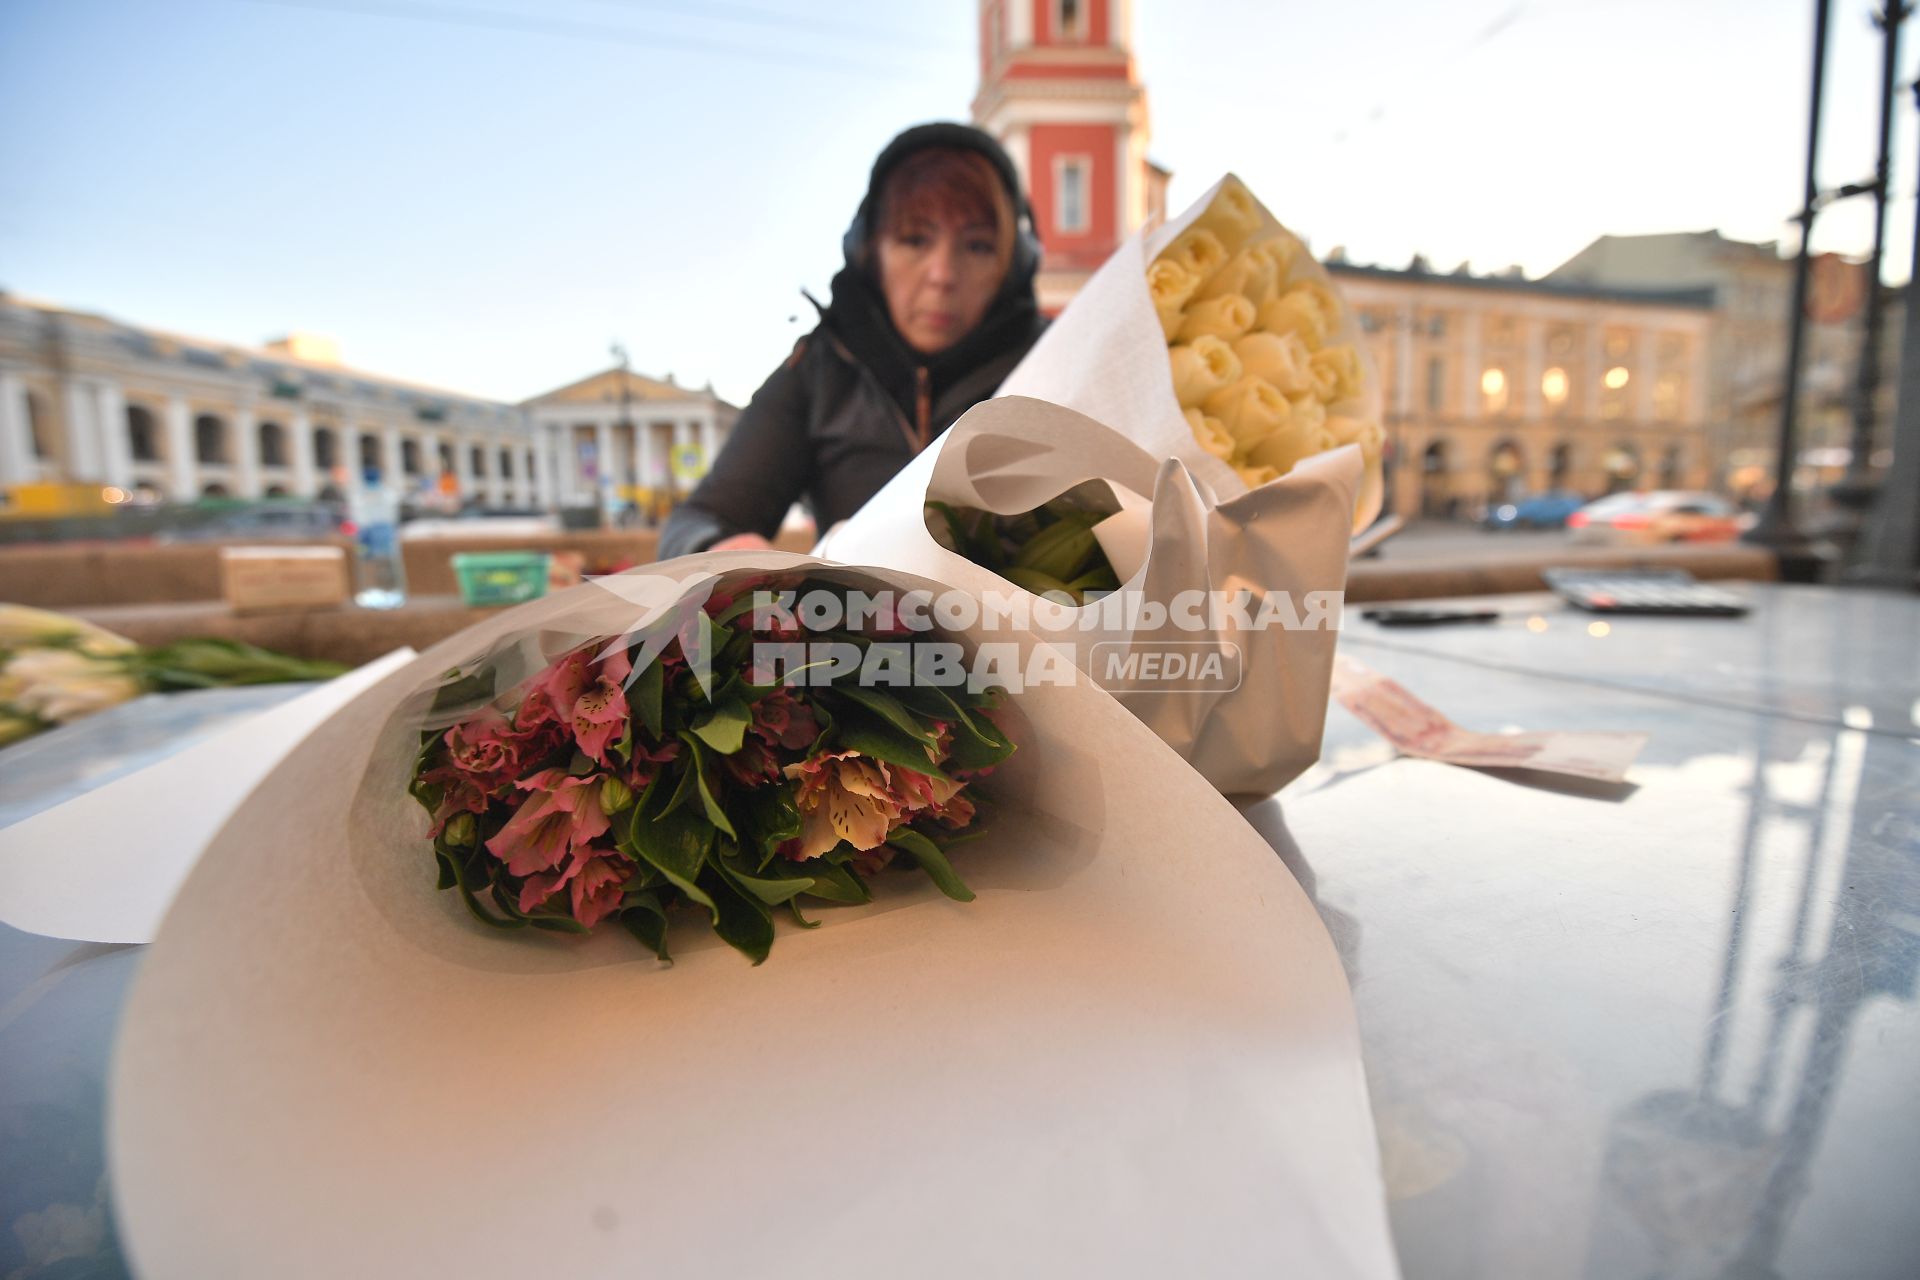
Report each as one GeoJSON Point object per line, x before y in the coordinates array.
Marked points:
{"type": "Point", "coordinates": [938, 272]}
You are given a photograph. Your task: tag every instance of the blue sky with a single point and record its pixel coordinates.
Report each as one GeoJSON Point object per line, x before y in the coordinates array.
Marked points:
{"type": "Point", "coordinates": [482, 194]}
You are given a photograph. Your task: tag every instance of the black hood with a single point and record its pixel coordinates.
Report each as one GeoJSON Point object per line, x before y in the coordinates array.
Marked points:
{"type": "Point", "coordinates": [858, 313]}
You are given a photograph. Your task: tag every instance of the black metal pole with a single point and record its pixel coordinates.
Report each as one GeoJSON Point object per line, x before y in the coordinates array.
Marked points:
{"type": "Point", "coordinates": [1776, 527]}
{"type": "Point", "coordinates": [1893, 531]}
{"type": "Point", "coordinates": [1856, 489]}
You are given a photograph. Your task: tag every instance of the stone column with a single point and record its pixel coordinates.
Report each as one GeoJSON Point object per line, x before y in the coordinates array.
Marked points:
{"type": "Point", "coordinates": [246, 452]}
{"type": "Point", "coordinates": [82, 460]}
{"type": "Point", "coordinates": [1643, 366]}
{"type": "Point", "coordinates": [1470, 357]}
{"type": "Point", "coordinates": [523, 476]}
{"type": "Point", "coordinates": [393, 474]}
{"type": "Point", "coordinates": [116, 451]}
{"type": "Point", "coordinates": [464, 476]}
{"type": "Point", "coordinates": [496, 478]}
{"type": "Point", "coordinates": [17, 464]}
{"type": "Point", "coordinates": [1405, 373]}
{"type": "Point", "coordinates": [1535, 403]}
{"type": "Point", "coordinates": [1591, 384]}
{"type": "Point", "coordinates": [300, 453]}
{"type": "Point", "coordinates": [603, 478]}
{"type": "Point", "coordinates": [182, 463]}
{"type": "Point", "coordinates": [540, 456]}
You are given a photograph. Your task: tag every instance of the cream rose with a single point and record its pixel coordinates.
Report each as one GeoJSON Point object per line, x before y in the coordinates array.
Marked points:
{"type": "Point", "coordinates": [1280, 358]}
{"type": "Point", "coordinates": [1364, 432]}
{"type": "Point", "coordinates": [1213, 437]}
{"type": "Point", "coordinates": [1284, 251]}
{"type": "Point", "coordinates": [1308, 309]}
{"type": "Point", "coordinates": [1248, 273]}
{"type": "Point", "coordinates": [1283, 450]}
{"type": "Point", "coordinates": [1250, 409]}
{"type": "Point", "coordinates": [1232, 216]}
{"type": "Point", "coordinates": [1201, 368]}
{"type": "Point", "coordinates": [1255, 476]}
{"type": "Point", "coordinates": [1170, 285]}
{"type": "Point", "coordinates": [1336, 373]}
{"type": "Point", "coordinates": [1199, 251]}
{"type": "Point", "coordinates": [1225, 317]}
{"type": "Point", "coordinates": [1308, 412]}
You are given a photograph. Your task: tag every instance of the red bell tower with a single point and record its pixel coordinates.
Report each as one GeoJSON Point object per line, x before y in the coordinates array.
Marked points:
{"type": "Point", "coordinates": [1058, 89]}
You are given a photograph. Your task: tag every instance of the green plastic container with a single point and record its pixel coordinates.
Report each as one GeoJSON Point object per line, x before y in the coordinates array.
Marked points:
{"type": "Point", "coordinates": [501, 577]}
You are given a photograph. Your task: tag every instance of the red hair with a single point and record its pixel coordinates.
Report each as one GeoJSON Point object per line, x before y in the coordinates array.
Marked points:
{"type": "Point", "coordinates": [947, 182]}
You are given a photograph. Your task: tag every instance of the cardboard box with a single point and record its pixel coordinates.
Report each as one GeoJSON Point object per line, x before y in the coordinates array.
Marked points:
{"type": "Point", "coordinates": [284, 579]}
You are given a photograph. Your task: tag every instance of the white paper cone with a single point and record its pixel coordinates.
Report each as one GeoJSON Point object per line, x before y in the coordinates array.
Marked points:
{"type": "Point", "coordinates": [1133, 1054]}
{"type": "Point", "coordinates": [1173, 541]}
{"type": "Point", "coordinates": [1106, 356]}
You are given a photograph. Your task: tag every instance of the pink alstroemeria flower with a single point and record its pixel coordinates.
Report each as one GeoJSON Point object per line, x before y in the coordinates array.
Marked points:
{"type": "Point", "coordinates": [561, 815]}
{"type": "Point", "coordinates": [647, 759]}
{"type": "Point", "coordinates": [597, 889]}
{"type": "Point", "coordinates": [593, 882]}
{"type": "Point", "coordinates": [598, 715]}
{"type": "Point", "coordinates": [551, 694]}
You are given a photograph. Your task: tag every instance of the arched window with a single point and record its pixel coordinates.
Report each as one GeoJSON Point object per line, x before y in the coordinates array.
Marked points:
{"type": "Point", "coordinates": [273, 445]}
{"type": "Point", "coordinates": [1560, 465]}
{"type": "Point", "coordinates": [143, 434]}
{"type": "Point", "coordinates": [410, 457]}
{"type": "Point", "coordinates": [209, 439]}
{"type": "Point", "coordinates": [477, 460]}
{"type": "Point", "coordinates": [326, 449]}
{"type": "Point", "coordinates": [506, 464]}
{"type": "Point", "coordinates": [369, 453]}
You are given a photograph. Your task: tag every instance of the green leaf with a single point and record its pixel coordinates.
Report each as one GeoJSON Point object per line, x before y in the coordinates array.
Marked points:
{"type": "Point", "coordinates": [726, 728]}
{"type": "Point", "coordinates": [933, 861]}
{"type": "Point", "coordinates": [836, 882]}
{"type": "Point", "coordinates": [644, 698]}
{"type": "Point", "coordinates": [858, 730]}
{"type": "Point", "coordinates": [715, 814]}
{"type": "Point", "coordinates": [646, 919]}
{"type": "Point", "coordinates": [675, 843]}
{"type": "Point", "coordinates": [799, 917]}
{"type": "Point", "coordinates": [742, 921]}
{"type": "Point", "coordinates": [772, 890]}
{"type": "Point", "coordinates": [890, 709]}
{"type": "Point", "coordinates": [769, 819]}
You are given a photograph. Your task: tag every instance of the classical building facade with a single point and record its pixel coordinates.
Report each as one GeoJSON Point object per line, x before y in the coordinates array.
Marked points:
{"type": "Point", "coordinates": [1752, 288]}
{"type": "Point", "coordinates": [1059, 90]}
{"type": "Point", "coordinates": [1495, 386]}
{"type": "Point", "coordinates": [149, 416]}
{"type": "Point", "coordinates": [622, 440]}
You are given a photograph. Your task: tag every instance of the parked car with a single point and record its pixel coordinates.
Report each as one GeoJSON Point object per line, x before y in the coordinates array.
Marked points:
{"type": "Point", "coordinates": [1660, 515]}
{"type": "Point", "coordinates": [1541, 511]}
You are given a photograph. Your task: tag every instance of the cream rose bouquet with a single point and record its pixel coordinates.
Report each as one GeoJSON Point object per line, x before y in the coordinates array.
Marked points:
{"type": "Point", "coordinates": [1218, 340]}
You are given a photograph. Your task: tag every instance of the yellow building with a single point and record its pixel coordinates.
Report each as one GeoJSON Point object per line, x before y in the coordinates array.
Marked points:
{"type": "Point", "coordinates": [1497, 386]}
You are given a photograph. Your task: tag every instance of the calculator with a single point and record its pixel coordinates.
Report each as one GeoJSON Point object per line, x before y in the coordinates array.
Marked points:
{"type": "Point", "coordinates": [1674, 592]}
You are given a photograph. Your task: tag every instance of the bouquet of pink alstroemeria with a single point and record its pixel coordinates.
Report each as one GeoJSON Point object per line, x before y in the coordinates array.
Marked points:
{"type": "Point", "coordinates": [703, 760]}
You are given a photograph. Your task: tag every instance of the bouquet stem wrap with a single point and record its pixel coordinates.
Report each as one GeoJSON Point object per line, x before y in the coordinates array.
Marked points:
{"type": "Point", "coordinates": [1133, 1054]}
{"type": "Point", "coordinates": [1174, 545]}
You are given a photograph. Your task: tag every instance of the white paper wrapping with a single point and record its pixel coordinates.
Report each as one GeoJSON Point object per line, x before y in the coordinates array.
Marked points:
{"type": "Point", "coordinates": [1134, 1054]}
{"type": "Point", "coordinates": [103, 866]}
{"type": "Point", "coordinates": [1106, 355]}
{"type": "Point", "coordinates": [1171, 539]}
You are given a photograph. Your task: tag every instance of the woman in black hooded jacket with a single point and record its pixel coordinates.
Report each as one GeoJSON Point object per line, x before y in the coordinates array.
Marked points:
{"type": "Point", "coordinates": [934, 307]}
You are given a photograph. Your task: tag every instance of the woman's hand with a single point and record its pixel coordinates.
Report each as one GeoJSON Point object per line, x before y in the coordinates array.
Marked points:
{"type": "Point", "coordinates": [742, 542]}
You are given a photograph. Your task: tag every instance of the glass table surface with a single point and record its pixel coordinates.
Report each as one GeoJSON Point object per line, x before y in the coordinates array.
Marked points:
{"type": "Point", "coordinates": [1661, 1029]}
